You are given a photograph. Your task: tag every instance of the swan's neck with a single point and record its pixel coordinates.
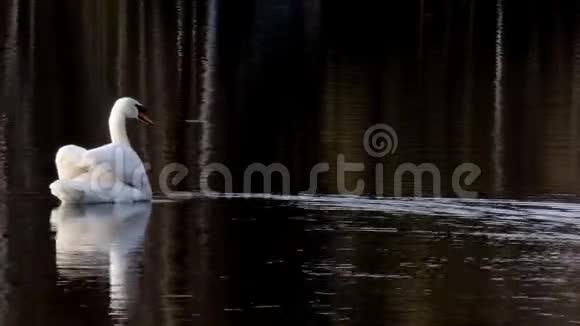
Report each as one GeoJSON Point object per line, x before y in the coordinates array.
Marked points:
{"type": "Point", "coordinates": [117, 128]}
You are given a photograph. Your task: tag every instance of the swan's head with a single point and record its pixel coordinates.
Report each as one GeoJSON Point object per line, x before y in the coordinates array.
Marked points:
{"type": "Point", "coordinates": [132, 109]}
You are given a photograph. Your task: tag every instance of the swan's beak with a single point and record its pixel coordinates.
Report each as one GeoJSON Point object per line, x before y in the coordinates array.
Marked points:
{"type": "Point", "coordinates": [144, 119]}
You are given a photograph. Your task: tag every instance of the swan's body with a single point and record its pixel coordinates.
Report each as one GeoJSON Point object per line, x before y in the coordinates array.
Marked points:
{"type": "Point", "coordinates": [110, 173]}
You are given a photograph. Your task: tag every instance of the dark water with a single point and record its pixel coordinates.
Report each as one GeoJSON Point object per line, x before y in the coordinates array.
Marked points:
{"type": "Point", "coordinates": [492, 83]}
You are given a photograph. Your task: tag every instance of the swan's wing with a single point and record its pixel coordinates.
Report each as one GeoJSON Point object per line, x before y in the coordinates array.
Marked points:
{"type": "Point", "coordinates": [72, 165]}
{"type": "Point", "coordinates": [120, 160]}
{"type": "Point", "coordinates": [69, 162]}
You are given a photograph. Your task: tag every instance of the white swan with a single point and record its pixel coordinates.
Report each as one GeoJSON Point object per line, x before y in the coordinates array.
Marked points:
{"type": "Point", "coordinates": [110, 173]}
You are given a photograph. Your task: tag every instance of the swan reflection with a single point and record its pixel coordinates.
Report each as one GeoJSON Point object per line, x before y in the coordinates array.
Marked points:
{"type": "Point", "coordinates": [100, 241]}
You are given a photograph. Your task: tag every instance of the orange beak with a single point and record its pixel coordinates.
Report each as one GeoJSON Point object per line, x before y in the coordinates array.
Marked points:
{"type": "Point", "coordinates": [144, 119]}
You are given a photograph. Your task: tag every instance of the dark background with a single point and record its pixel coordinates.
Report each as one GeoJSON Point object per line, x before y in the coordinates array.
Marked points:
{"type": "Point", "coordinates": [298, 83]}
